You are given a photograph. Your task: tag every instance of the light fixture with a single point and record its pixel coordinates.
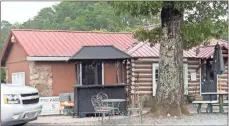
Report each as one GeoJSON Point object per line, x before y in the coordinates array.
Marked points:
{"type": "Point", "coordinates": [13, 39]}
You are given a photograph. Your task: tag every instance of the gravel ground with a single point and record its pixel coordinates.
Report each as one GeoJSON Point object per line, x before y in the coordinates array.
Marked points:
{"type": "Point", "coordinates": [194, 119]}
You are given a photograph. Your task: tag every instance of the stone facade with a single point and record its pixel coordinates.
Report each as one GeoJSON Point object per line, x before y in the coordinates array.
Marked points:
{"type": "Point", "coordinates": [41, 78]}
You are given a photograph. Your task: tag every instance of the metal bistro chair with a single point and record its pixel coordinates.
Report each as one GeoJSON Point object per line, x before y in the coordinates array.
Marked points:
{"type": "Point", "coordinates": [136, 105]}
{"type": "Point", "coordinates": [97, 104]}
{"type": "Point", "coordinates": [102, 96]}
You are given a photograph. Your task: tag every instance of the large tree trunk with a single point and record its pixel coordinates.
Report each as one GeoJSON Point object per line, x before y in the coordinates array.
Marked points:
{"type": "Point", "coordinates": [169, 94]}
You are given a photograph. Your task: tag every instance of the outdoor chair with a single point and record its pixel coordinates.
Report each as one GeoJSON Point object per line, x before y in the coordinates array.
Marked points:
{"type": "Point", "coordinates": [97, 104]}
{"type": "Point", "coordinates": [102, 96]}
{"type": "Point", "coordinates": [136, 105]}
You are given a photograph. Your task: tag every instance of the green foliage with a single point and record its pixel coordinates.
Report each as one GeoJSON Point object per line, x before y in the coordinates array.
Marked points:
{"type": "Point", "coordinates": [137, 8]}
{"type": "Point", "coordinates": [202, 19]}
{"type": "Point", "coordinates": [224, 36]}
{"type": "Point", "coordinates": [152, 36]}
{"type": "Point", "coordinates": [85, 16]}
{"type": "Point", "coordinates": [80, 16]}
{"type": "Point", "coordinates": [126, 17]}
{"type": "Point", "coordinates": [5, 30]}
{"type": "Point", "coordinates": [3, 74]}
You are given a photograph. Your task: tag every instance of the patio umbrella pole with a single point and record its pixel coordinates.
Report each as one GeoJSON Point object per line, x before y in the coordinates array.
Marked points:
{"type": "Point", "coordinates": [220, 88]}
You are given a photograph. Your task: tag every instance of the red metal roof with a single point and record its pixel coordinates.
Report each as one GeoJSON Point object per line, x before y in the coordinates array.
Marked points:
{"type": "Point", "coordinates": [208, 50]}
{"type": "Point", "coordinates": [205, 52]}
{"type": "Point", "coordinates": [66, 43]}
{"type": "Point", "coordinates": [55, 43]}
{"type": "Point", "coordinates": [144, 50]}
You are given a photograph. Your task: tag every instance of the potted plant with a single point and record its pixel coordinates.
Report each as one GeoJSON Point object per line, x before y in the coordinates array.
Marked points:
{"type": "Point", "coordinates": [191, 98]}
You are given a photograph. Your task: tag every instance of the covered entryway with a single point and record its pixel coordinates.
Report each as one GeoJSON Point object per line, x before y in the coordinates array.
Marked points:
{"type": "Point", "coordinates": [208, 81]}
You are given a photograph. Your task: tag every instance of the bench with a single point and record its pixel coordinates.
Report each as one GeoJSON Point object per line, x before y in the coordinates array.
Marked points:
{"type": "Point", "coordinates": [209, 108]}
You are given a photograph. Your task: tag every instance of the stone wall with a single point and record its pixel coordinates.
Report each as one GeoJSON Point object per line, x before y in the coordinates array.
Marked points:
{"type": "Point", "coordinates": [41, 78]}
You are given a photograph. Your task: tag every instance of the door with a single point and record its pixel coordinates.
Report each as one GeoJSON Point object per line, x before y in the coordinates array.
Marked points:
{"type": "Point", "coordinates": [208, 81]}
{"type": "Point", "coordinates": [155, 76]}
{"type": "Point", "coordinates": [18, 78]}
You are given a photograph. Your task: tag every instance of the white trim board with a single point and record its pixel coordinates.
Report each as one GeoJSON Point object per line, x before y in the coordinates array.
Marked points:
{"type": "Point", "coordinates": [102, 73]}
{"type": "Point", "coordinates": [34, 58]}
{"type": "Point", "coordinates": [154, 66]}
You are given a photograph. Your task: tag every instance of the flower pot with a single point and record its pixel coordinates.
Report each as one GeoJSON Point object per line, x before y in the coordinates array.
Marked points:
{"type": "Point", "coordinates": [191, 98]}
{"type": "Point", "coordinates": [199, 98]}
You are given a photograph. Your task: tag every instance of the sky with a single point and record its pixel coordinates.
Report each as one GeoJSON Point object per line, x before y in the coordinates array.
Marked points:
{"type": "Point", "coordinates": [22, 11]}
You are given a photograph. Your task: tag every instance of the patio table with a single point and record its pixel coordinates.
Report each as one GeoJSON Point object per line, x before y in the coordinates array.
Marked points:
{"type": "Point", "coordinates": [221, 94]}
{"type": "Point", "coordinates": [113, 101]}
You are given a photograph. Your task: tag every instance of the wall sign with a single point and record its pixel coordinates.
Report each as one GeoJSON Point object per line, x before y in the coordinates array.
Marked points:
{"type": "Point", "coordinates": [51, 105]}
{"type": "Point", "coordinates": [193, 76]}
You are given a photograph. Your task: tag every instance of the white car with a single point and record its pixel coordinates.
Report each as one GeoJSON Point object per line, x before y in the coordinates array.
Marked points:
{"type": "Point", "coordinates": [19, 104]}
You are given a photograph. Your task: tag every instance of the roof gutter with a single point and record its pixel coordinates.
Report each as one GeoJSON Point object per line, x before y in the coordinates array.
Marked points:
{"type": "Point", "coordinates": [35, 58]}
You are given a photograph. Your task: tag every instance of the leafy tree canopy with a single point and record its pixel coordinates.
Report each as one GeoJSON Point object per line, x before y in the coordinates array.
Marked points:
{"type": "Point", "coordinates": [80, 16]}
{"type": "Point", "coordinates": [3, 74]}
{"type": "Point", "coordinates": [183, 25]}
{"type": "Point", "coordinates": [202, 19]}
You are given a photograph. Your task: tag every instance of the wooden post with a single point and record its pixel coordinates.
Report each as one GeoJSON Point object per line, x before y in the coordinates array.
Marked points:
{"type": "Point", "coordinates": [122, 73]}
{"type": "Point", "coordinates": [220, 86]}
{"type": "Point", "coordinates": [117, 72]}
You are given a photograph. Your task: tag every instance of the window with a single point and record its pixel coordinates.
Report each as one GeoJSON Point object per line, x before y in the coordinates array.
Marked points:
{"type": "Point", "coordinates": [155, 78]}
{"type": "Point", "coordinates": [18, 78]}
{"type": "Point", "coordinates": [92, 73]}
{"type": "Point", "coordinates": [78, 76]}
{"type": "Point", "coordinates": [156, 75]}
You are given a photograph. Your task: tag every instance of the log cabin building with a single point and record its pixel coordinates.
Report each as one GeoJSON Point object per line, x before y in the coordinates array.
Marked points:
{"type": "Point", "coordinates": [39, 58]}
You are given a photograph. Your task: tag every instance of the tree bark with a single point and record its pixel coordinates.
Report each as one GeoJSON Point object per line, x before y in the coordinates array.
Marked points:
{"type": "Point", "coordinates": [169, 94]}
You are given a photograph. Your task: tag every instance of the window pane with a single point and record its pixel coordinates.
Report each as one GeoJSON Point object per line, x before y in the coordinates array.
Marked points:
{"type": "Point", "coordinates": [91, 73]}
{"type": "Point", "coordinates": [156, 74]}
{"type": "Point", "coordinates": [99, 73]}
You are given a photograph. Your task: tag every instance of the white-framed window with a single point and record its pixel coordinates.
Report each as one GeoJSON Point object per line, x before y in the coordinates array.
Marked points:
{"type": "Point", "coordinates": [155, 77]}
{"type": "Point", "coordinates": [18, 78]}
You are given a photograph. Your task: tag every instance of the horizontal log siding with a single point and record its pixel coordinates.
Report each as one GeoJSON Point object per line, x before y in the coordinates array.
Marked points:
{"type": "Point", "coordinates": [225, 52]}
{"type": "Point", "coordinates": [194, 86]}
{"type": "Point", "coordinates": [224, 78]}
{"type": "Point", "coordinates": [142, 72]}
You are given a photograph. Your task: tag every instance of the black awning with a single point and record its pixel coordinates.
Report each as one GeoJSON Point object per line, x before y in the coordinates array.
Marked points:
{"type": "Point", "coordinates": [99, 53]}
